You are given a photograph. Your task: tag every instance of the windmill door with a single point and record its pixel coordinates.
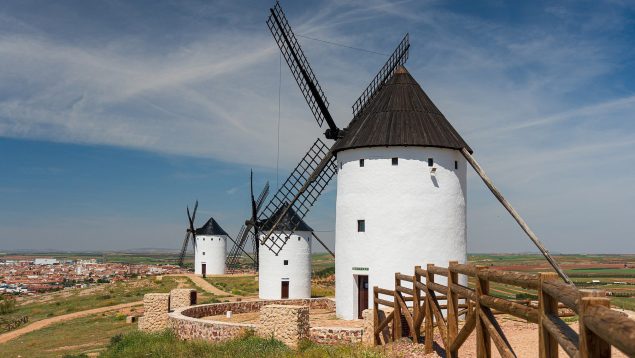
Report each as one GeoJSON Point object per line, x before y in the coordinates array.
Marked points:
{"type": "Point", "coordinates": [203, 269]}
{"type": "Point", "coordinates": [285, 289]}
{"type": "Point", "coordinates": [362, 294]}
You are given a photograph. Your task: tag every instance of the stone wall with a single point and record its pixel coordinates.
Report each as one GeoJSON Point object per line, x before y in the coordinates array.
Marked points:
{"type": "Point", "coordinates": [182, 297]}
{"type": "Point", "coordinates": [336, 335]}
{"type": "Point", "coordinates": [286, 323]}
{"type": "Point", "coordinates": [215, 309]}
{"type": "Point", "coordinates": [187, 323]}
{"type": "Point", "coordinates": [155, 316]}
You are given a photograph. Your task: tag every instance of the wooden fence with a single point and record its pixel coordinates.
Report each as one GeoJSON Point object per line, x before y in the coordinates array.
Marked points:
{"type": "Point", "coordinates": [420, 304]}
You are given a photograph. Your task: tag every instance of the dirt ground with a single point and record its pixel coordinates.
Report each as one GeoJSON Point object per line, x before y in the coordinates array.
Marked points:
{"type": "Point", "coordinates": [522, 336]}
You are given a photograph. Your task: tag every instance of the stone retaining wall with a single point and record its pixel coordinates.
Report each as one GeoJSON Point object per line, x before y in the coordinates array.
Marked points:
{"type": "Point", "coordinates": [286, 323]}
{"type": "Point", "coordinates": [187, 323]}
{"type": "Point", "coordinates": [155, 312]}
{"type": "Point", "coordinates": [336, 335]}
{"type": "Point", "coordinates": [182, 297]}
{"type": "Point", "coordinates": [215, 309]}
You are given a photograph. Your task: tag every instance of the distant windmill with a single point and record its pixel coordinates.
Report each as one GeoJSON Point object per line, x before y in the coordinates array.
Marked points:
{"type": "Point", "coordinates": [190, 233]}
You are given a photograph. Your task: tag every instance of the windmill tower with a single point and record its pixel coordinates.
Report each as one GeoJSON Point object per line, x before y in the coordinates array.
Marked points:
{"type": "Point", "coordinates": [210, 247]}
{"type": "Point", "coordinates": [209, 243]}
{"type": "Point", "coordinates": [401, 195]}
{"type": "Point", "coordinates": [287, 274]}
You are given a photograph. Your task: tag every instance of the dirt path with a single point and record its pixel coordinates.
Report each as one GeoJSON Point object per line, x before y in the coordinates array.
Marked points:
{"type": "Point", "coordinates": [203, 284]}
{"type": "Point", "coordinates": [49, 321]}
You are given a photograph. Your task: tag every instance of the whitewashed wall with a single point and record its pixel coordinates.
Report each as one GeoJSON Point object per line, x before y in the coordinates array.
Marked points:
{"type": "Point", "coordinates": [214, 248]}
{"type": "Point", "coordinates": [272, 270]}
{"type": "Point", "coordinates": [412, 217]}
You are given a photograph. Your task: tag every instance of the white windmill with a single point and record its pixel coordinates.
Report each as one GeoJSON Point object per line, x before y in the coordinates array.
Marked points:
{"type": "Point", "coordinates": [401, 193]}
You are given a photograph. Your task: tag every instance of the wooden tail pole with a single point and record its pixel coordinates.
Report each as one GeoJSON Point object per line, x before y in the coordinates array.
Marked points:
{"type": "Point", "coordinates": [323, 245]}
{"type": "Point", "coordinates": [515, 214]}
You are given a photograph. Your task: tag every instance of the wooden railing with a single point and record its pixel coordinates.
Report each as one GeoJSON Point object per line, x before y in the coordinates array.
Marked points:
{"type": "Point", "coordinates": [420, 303]}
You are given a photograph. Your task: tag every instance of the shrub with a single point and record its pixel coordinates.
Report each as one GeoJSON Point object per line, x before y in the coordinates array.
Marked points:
{"type": "Point", "coordinates": [7, 305]}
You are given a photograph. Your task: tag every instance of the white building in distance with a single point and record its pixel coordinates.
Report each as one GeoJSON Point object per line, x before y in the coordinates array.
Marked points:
{"type": "Point", "coordinates": [210, 249]}
{"type": "Point", "coordinates": [288, 274]}
{"type": "Point", "coordinates": [401, 193]}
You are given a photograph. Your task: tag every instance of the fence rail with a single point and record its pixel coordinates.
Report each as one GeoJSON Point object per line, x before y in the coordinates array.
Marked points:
{"type": "Point", "coordinates": [421, 303]}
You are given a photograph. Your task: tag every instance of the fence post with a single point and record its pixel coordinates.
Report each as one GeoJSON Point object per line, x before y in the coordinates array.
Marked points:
{"type": "Point", "coordinates": [591, 345]}
{"type": "Point", "coordinates": [483, 339]}
{"type": "Point", "coordinates": [429, 328]}
{"type": "Point", "coordinates": [396, 321]}
{"type": "Point", "coordinates": [453, 309]}
{"type": "Point", "coordinates": [547, 305]}
{"type": "Point", "coordinates": [375, 315]}
{"type": "Point", "coordinates": [416, 307]}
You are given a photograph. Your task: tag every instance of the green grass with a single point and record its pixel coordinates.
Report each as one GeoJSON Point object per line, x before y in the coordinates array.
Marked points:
{"type": "Point", "coordinates": [165, 344]}
{"type": "Point", "coordinates": [78, 336]}
{"type": "Point", "coordinates": [237, 285]}
{"type": "Point", "coordinates": [105, 295]}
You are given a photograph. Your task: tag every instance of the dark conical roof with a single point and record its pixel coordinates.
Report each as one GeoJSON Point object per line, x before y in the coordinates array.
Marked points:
{"type": "Point", "coordinates": [290, 222]}
{"type": "Point", "coordinates": [211, 227]}
{"type": "Point", "coordinates": [401, 114]}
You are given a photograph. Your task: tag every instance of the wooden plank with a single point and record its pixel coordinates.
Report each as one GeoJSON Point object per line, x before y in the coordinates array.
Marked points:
{"type": "Point", "coordinates": [470, 324]}
{"type": "Point", "coordinates": [405, 290]}
{"type": "Point", "coordinates": [488, 182]}
{"type": "Point", "coordinates": [564, 293]}
{"type": "Point", "coordinates": [498, 337]}
{"type": "Point", "coordinates": [437, 270]}
{"type": "Point", "coordinates": [527, 313]}
{"type": "Point", "coordinates": [483, 340]}
{"type": "Point", "coordinates": [530, 281]}
{"type": "Point", "coordinates": [384, 302]}
{"type": "Point", "coordinates": [419, 271]}
{"type": "Point", "coordinates": [406, 313]}
{"type": "Point", "coordinates": [547, 305]}
{"type": "Point", "coordinates": [464, 292]}
{"type": "Point", "coordinates": [403, 277]}
{"type": "Point", "coordinates": [384, 291]}
{"type": "Point", "coordinates": [607, 325]}
{"type": "Point", "coordinates": [385, 322]}
{"type": "Point", "coordinates": [452, 312]}
{"type": "Point", "coordinates": [464, 269]}
{"type": "Point", "coordinates": [437, 288]}
{"type": "Point", "coordinates": [563, 334]}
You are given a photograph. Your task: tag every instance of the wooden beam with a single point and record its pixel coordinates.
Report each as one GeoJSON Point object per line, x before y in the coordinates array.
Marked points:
{"type": "Point", "coordinates": [323, 244]}
{"type": "Point", "coordinates": [515, 215]}
{"type": "Point", "coordinates": [562, 333]}
{"type": "Point", "coordinates": [465, 332]}
{"type": "Point", "coordinates": [498, 337]}
{"type": "Point", "coordinates": [597, 326]}
{"type": "Point", "coordinates": [515, 309]}
{"type": "Point", "coordinates": [547, 305]}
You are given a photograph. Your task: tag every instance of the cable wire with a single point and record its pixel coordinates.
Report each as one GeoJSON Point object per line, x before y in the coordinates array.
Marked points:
{"type": "Point", "coordinates": [342, 45]}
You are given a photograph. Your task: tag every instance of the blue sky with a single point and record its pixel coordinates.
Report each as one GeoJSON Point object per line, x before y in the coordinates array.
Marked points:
{"type": "Point", "coordinates": [115, 115]}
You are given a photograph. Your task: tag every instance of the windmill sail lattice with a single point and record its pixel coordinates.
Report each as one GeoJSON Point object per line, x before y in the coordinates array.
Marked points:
{"type": "Point", "coordinates": [398, 58]}
{"type": "Point", "coordinates": [299, 192]}
{"type": "Point", "coordinates": [300, 68]}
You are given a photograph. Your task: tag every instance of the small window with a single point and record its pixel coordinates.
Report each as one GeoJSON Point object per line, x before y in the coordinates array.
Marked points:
{"type": "Point", "coordinates": [299, 238]}
{"type": "Point", "coordinates": [430, 162]}
{"type": "Point", "coordinates": [456, 164]}
{"type": "Point", "coordinates": [361, 225]}
{"type": "Point", "coordinates": [203, 253]}
{"type": "Point", "coordinates": [340, 165]}
{"type": "Point", "coordinates": [285, 262]}
{"type": "Point", "coordinates": [361, 162]}
{"type": "Point", "coordinates": [395, 161]}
